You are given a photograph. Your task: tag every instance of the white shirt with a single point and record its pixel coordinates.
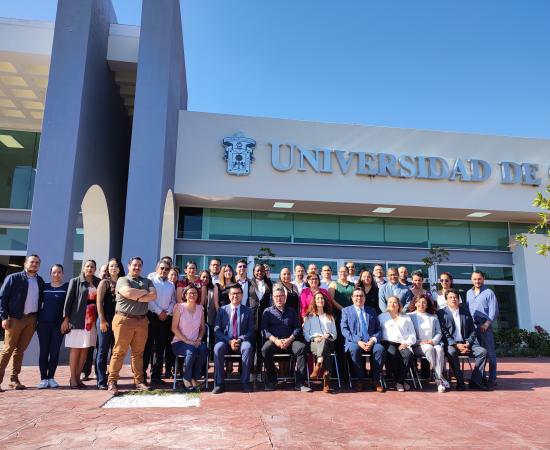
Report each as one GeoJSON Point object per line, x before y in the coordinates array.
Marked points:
{"type": "Point", "coordinates": [31, 302]}
{"type": "Point", "coordinates": [245, 286]}
{"type": "Point", "coordinates": [215, 278]}
{"type": "Point", "coordinates": [353, 279]}
{"type": "Point", "coordinates": [401, 330]}
{"type": "Point", "coordinates": [260, 289]}
{"type": "Point", "coordinates": [424, 332]}
{"type": "Point", "coordinates": [458, 330]}
{"type": "Point", "coordinates": [166, 296]}
{"type": "Point", "coordinates": [299, 285]}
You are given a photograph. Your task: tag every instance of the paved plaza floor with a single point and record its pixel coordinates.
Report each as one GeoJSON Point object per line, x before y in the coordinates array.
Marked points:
{"type": "Point", "coordinates": [516, 415]}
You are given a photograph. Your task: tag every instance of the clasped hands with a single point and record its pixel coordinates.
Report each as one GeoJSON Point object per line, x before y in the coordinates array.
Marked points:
{"type": "Point", "coordinates": [366, 346]}
{"type": "Point", "coordinates": [283, 343]}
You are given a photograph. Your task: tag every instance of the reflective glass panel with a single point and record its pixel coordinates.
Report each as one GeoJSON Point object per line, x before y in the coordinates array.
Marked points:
{"type": "Point", "coordinates": [449, 233]}
{"type": "Point", "coordinates": [489, 235]}
{"type": "Point", "coordinates": [406, 232]}
{"type": "Point", "coordinates": [361, 230]}
{"type": "Point", "coordinates": [315, 228]}
{"type": "Point", "coordinates": [13, 238]}
{"type": "Point", "coordinates": [497, 273]}
{"type": "Point", "coordinates": [271, 226]}
{"type": "Point", "coordinates": [229, 224]}
{"type": "Point", "coordinates": [457, 272]}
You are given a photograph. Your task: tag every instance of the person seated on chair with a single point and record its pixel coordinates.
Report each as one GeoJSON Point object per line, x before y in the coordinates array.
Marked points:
{"type": "Point", "coordinates": [460, 338]}
{"type": "Point", "coordinates": [398, 337]}
{"type": "Point", "coordinates": [320, 332]}
{"type": "Point", "coordinates": [234, 332]}
{"type": "Point", "coordinates": [282, 331]}
{"type": "Point", "coordinates": [361, 331]}
{"type": "Point", "coordinates": [428, 337]}
{"type": "Point", "coordinates": [188, 328]}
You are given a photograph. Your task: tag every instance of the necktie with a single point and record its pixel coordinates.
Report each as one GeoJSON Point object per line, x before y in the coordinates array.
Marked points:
{"type": "Point", "coordinates": [364, 327]}
{"type": "Point", "coordinates": [234, 325]}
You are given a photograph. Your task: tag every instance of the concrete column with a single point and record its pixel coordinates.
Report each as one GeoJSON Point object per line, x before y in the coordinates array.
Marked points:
{"type": "Point", "coordinates": [160, 93]}
{"type": "Point", "coordinates": [530, 273]}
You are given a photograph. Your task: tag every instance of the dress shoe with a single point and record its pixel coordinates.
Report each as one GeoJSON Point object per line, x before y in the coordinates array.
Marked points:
{"type": "Point", "coordinates": [379, 388]}
{"type": "Point", "coordinates": [247, 388]}
{"type": "Point", "coordinates": [158, 382]}
{"type": "Point", "coordinates": [491, 384]}
{"type": "Point", "coordinates": [86, 378]}
{"type": "Point", "coordinates": [316, 370]}
{"type": "Point", "coordinates": [359, 386]}
{"type": "Point", "coordinates": [141, 387]}
{"type": "Point", "coordinates": [16, 384]}
{"type": "Point", "coordinates": [460, 387]}
{"type": "Point", "coordinates": [102, 387]}
{"type": "Point", "coordinates": [478, 387]}
{"type": "Point", "coordinates": [269, 386]}
{"type": "Point", "coordinates": [113, 389]}
{"type": "Point", "coordinates": [218, 389]}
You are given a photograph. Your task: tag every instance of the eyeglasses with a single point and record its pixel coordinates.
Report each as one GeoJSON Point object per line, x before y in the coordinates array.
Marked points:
{"type": "Point", "coordinates": [164, 269]}
{"type": "Point", "coordinates": [444, 280]}
{"type": "Point", "coordinates": [241, 267]}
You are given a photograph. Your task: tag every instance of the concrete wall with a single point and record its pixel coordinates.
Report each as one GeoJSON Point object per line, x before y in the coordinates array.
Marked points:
{"type": "Point", "coordinates": [85, 135]}
{"type": "Point", "coordinates": [531, 273]}
{"type": "Point", "coordinates": [161, 92]}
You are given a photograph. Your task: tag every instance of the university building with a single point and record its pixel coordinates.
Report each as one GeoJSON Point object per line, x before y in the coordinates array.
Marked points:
{"type": "Point", "coordinates": [100, 157]}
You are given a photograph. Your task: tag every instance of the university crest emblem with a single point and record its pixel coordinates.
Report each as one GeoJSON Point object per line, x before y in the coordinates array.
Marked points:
{"type": "Point", "coordinates": [238, 153]}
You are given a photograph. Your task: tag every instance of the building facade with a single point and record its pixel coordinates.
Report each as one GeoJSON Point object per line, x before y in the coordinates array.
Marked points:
{"type": "Point", "coordinates": [99, 157]}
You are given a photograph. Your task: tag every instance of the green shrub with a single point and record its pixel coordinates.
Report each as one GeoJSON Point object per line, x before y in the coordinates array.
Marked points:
{"type": "Point", "coordinates": [520, 342]}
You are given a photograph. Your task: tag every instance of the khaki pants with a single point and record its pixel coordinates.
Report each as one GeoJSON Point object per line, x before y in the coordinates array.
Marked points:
{"type": "Point", "coordinates": [16, 340]}
{"type": "Point", "coordinates": [133, 333]}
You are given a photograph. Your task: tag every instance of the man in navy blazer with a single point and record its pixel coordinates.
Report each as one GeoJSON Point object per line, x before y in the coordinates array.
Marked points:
{"type": "Point", "coordinates": [460, 338]}
{"type": "Point", "coordinates": [235, 331]}
{"type": "Point", "coordinates": [361, 330]}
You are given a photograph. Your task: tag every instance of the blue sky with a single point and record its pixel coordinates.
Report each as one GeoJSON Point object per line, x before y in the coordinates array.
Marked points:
{"type": "Point", "coordinates": [472, 66]}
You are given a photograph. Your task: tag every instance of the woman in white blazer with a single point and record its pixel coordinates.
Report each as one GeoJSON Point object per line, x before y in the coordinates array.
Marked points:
{"type": "Point", "coordinates": [428, 335]}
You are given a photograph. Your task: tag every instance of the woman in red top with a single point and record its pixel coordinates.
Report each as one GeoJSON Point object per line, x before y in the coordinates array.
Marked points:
{"type": "Point", "coordinates": [308, 293]}
{"type": "Point", "coordinates": [191, 277]}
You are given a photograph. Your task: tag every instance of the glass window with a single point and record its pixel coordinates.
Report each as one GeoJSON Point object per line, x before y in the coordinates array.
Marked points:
{"type": "Point", "coordinates": [78, 245]}
{"type": "Point", "coordinates": [276, 265]}
{"type": "Point", "coordinates": [18, 153]}
{"type": "Point", "coordinates": [190, 223]}
{"type": "Point", "coordinates": [271, 226]}
{"type": "Point", "coordinates": [181, 260]}
{"type": "Point", "coordinates": [409, 232]}
{"type": "Point", "coordinates": [361, 230]}
{"type": "Point", "coordinates": [13, 238]}
{"type": "Point", "coordinates": [411, 268]}
{"type": "Point", "coordinates": [489, 235]}
{"type": "Point", "coordinates": [523, 228]}
{"type": "Point", "coordinates": [497, 273]}
{"type": "Point", "coordinates": [229, 224]}
{"type": "Point", "coordinates": [457, 272]}
{"type": "Point", "coordinates": [449, 233]}
{"type": "Point", "coordinates": [506, 297]}
{"type": "Point", "coordinates": [316, 228]}
{"type": "Point", "coordinates": [77, 269]}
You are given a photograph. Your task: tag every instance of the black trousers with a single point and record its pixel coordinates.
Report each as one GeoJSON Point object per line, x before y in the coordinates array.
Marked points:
{"type": "Point", "coordinates": [158, 339]}
{"type": "Point", "coordinates": [297, 348]}
{"type": "Point", "coordinates": [399, 361]}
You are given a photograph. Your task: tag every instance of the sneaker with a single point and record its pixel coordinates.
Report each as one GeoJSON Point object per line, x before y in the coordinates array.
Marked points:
{"type": "Point", "coordinates": [445, 383]}
{"type": "Point", "coordinates": [52, 383]}
{"type": "Point", "coordinates": [43, 384]}
{"type": "Point", "coordinates": [399, 387]}
{"type": "Point", "coordinates": [440, 387]}
{"type": "Point", "coordinates": [303, 388]}
{"type": "Point", "coordinates": [407, 386]}
{"type": "Point", "coordinates": [218, 389]}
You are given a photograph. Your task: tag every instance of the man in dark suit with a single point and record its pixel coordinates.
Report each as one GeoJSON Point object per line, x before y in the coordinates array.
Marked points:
{"type": "Point", "coordinates": [361, 330]}
{"type": "Point", "coordinates": [235, 332]}
{"type": "Point", "coordinates": [460, 338]}
{"type": "Point", "coordinates": [259, 298]}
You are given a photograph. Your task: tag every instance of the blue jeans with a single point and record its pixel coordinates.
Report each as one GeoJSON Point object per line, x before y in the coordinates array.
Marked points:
{"type": "Point", "coordinates": [487, 341]}
{"type": "Point", "coordinates": [104, 346]}
{"type": "Point", "coordinates": [195, 359]}
{"type": "Point", "coordinates": [49, 339]}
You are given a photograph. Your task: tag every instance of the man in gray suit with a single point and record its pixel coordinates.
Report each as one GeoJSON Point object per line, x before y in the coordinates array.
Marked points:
{"type": "Point", "coordinates": [235, 333]}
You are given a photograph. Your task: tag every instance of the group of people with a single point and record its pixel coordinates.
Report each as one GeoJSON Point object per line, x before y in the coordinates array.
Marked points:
{"type": "Point", "coordinates": [383, 319]}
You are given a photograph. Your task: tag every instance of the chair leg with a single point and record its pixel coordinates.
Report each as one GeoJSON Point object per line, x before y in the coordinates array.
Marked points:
{"type": "Point", "coordinates": [349, 372]}
{"type": "Point", "coordinates": [176, 361]}
{"type": "Point", "coordinates": [337, 370]}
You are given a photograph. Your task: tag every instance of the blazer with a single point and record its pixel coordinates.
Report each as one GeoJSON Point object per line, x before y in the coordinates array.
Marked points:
{"type": "Point", "coordinates": [313, 327]}
{"type": "Point", "coordinates": [469, 333]}
{"type": "Point", "coordinates": [13, 295]}
{"type": "Point", "coordinates": [77, 300]}
{"type": "Point", "coordinates": [351, 327]}
{"type": "Point", "coordinates": [223, 330]}
{"type": "Point", "coordinates": [259, 304]}
{"type": "Point", "coordinates": [434, 323]}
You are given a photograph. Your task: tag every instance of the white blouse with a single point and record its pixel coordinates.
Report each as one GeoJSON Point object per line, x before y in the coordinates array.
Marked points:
{"type": "Point", "coordinates": [400, 330]}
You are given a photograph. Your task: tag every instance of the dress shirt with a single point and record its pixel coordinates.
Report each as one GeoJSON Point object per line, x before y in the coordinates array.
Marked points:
{"type": "Point", "coordinates": [299, 285]}
{"type": "Point", "coordinates": [402, 292]}
{"type": "Point", "coordinates": [260, 289]}
{"type": "Point", "coordinates": [353, 279]}
{"type": "Point", "coordinates": [215, 278]}
{"type": "Point", "coordinates": [166, 296]}
{"type": "Point", "coordinates": [31, 302]}
{"type": "Point", "coordinates": [483, 306]}
{"type": "Point", "coordinates": [245, 285]}
{"type": "Point", "coordinates": [400, 331]}
{"type": "Point", "coordinates": [281, 324]}
{"type": "Point", "coordinates": [380, 282]}
{"type": "Point", "coordinates": [457, 336]}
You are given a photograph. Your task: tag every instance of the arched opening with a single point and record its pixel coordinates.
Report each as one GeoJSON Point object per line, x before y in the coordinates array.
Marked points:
{"type": "Point", "coordinates": [95, 224]}
{"type": "Point", "coordinates": [168, 226]}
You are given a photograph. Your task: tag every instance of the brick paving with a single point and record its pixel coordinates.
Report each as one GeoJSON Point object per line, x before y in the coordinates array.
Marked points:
{"type": "Point", "coordinates": [517, 415]}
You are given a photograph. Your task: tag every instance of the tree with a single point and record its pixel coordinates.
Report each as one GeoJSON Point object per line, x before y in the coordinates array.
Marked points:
{"type": "Point", "coordinates": [436, 255]}
{"type": "Point", "coordinates": [541, 201]}
{"type": "Point", "coordinates": [264, 256]}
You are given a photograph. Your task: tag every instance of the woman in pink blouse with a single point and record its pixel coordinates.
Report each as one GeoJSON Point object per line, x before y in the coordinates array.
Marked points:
{"type": "Point", "coordinates": [188, 328]}
{"type": "Point", "coordinates": [308, 293]}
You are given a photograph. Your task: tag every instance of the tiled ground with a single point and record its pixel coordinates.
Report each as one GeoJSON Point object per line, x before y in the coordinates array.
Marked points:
{"type": "Point", "coordinates": [517, 415]}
